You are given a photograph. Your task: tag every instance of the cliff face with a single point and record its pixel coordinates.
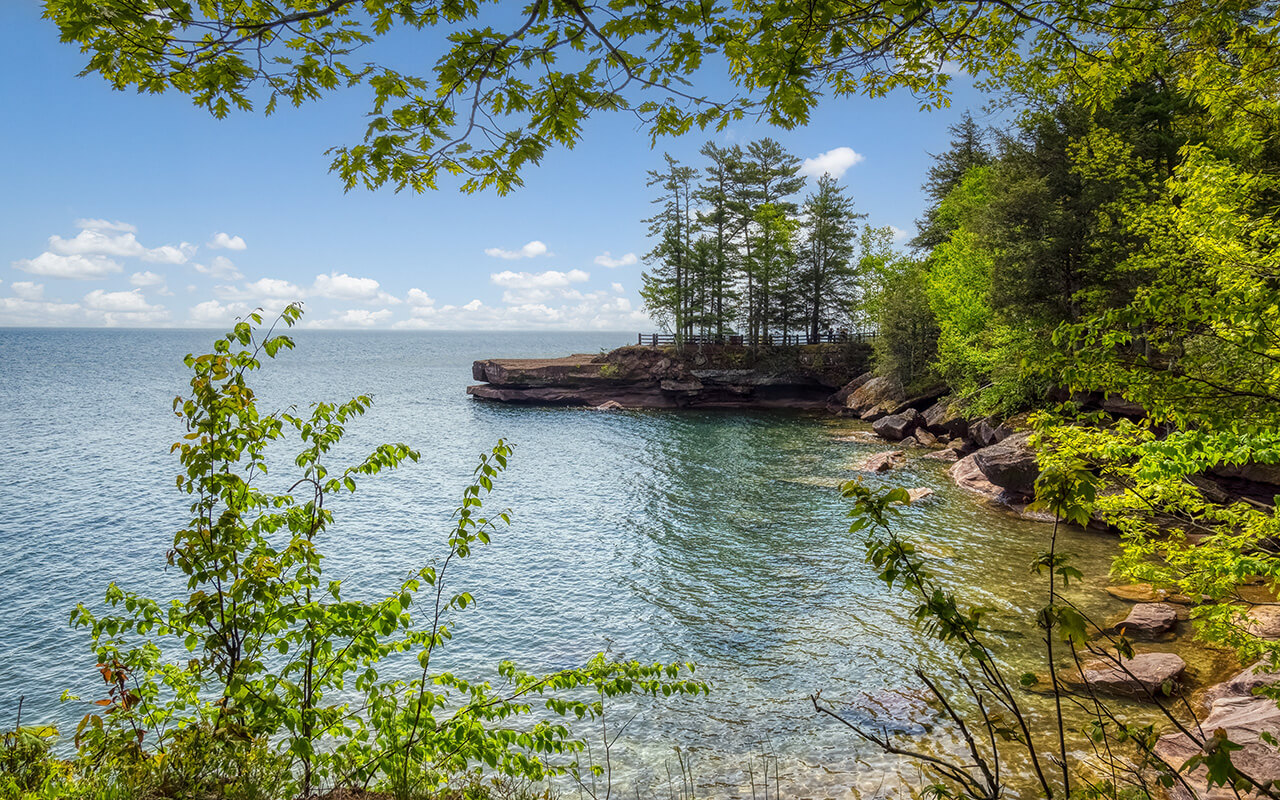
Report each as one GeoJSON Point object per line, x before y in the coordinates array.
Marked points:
{"type": "Point", "coordinates": [644, 377]}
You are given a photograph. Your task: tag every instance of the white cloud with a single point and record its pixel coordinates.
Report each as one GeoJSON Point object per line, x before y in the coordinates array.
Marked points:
{"type": "Point", "coordinates": [420, 299]}
{"type": "Point", "coordinates": [833, 162]}
{"type": "Point", "coordinates": [73, 267]}
{"type": "Point", "coordinates": [146, 278]}
{"type": "Point", "coordinates": [345, 287]}
{"type": "Point", "coordinates": [168, 254]}
{"type": "Point", "coordinates": [898, 233]}
{"type": "Point", "coordinates": [530, 250]}
{"type": "Point", "coordinates": [538, 280]}
{"type": "Point", "coordinates": [21, 311]}
{"type": "Point", "coordinates": [28, 290]}
{"type": "Point", "coordinates": [617, 287]}
{"type": "Point", "coordinates": [213, 312]}
{"type": "Point", "coordinates": [90, 242]}
{"type": "Point", "coordinates": [606, 260]}
{"type": "Point", "coordinates": [357, 318]}
{"type": "Point", "coordinates": [105, 225]}
{"type": "Point", "coordinates": [223, 241]}
{"type": "Point", "coordinates": [132, 300]}
{"type": "Point", "coordinates": [220, 267]}
{"type": "Point", "coordinates": [274, 288]}
{"type": "Point", "coordinates": [593, 311]}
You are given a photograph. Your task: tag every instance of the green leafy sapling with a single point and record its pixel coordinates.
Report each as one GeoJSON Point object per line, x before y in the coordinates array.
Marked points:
{"type": "Point", "coordinates": [266, 653]}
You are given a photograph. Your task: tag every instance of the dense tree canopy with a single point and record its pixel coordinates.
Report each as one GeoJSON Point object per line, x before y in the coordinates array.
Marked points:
{"type": "Point", "coordinates": [507, 86]}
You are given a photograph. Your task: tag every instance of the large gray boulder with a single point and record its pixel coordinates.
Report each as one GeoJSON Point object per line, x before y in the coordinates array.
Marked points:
{"type": "Point", "coordinates": [897, 427]}
{"type": "Point", "coordinates": [876, 397]}
{"type": "Point", "coordinates": [1143, 676]}
{"type": "Point", "coordinates": [984, 434]}
{"type": "Point", "coordinates": [1147, 620]}
{"type": "Point", "coordinates": [1263, 621]}
{"type": "Point", "coordinates": [1010, 464]}
{"type": "Point", "coordinates": [967, 476]}
{"type": "Point", "coordinates": [837, 401]}
{"type": "Point", "coordinates": [940, 420]}
{"type": "Point", "coordinates": [1243, 717]}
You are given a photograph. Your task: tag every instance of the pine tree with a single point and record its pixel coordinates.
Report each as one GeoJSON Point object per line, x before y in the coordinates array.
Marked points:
{"type": "Point", "coordinates": [827, 277]}
{"type": "Point", "coordinates": [968, 150]}
{"type": "Point", "coordinates": [666, 290]}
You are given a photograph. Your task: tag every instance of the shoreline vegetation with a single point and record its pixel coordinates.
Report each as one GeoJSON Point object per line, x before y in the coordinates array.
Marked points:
{"type": "Point", "coordinates": [992, 457]}
{"type": "Point", "coordinates": [1110, 262]}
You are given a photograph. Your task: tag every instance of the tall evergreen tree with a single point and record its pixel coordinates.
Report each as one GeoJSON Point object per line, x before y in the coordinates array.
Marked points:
{"type": "Point", "coordinates": [968, 150]}
{"type": "Point", "coordinates": [771, 173]}
{"type": "Point", "coordinates": [666, 289]}
{"type": "Point", "coordinates": [827, 276]}
{"type": "Point", "coordinates": [716, 223]}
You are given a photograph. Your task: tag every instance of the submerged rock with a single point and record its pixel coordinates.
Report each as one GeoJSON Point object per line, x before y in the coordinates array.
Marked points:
{"type": "Point", "coordinates": [919, 493]}
{"type": "Point", "coordinates": [1143, 676]}
{"type": "Point", "coordinates": [1138, 593]}
{"type": "Point", "coordinates": [1147, 620]}
{"type": "Point", "coordinates": [883, 462]}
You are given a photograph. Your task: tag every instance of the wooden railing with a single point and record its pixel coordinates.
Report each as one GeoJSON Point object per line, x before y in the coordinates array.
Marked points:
{"type": "Point", "coordinates": [764, 340]}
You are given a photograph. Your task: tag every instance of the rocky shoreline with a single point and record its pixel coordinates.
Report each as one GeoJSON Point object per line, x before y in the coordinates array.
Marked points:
{"type": "Point", "coordinates": [644, 377]}
{"type": "Point", "coordinates": [991, 458]}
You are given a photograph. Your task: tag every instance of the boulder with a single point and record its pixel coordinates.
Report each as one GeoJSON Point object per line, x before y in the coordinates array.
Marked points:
{"type": "Point", "coordinates": [983, 434]}
{"type": "Point", "coordinates": [1242, 684]}
{"type": "Point", "coordinates": [949, 454]}
{"type": "Point", "coordinates": [883, 462]}
{"type": "Point", "coordinates": [940, 419]}
{"type": "Point", "coordinates": [910, 441]}
{"type": "Point", "coordinates": [609, 405]}
{"type": "Point", "coordinates": [1010, 464]}
{"type": "Point", "coordinates": [1144, 675]}
{"type": "Point", "coordinates": [897, 427]}
{"type": "Point", "coordinates": [1264, 622]}
{"type": "Point", "coordinates": [1146, 620]}
{"type": "Point", "coordinates": [875, 396]}
{"type": "Point", "coordinates": [837, 400]}
{"type": "Point", "coordinates": [1242, 717]}
{"type": "Point", "coordinates": [1138, 593]}
{"type": "Point", "coordinates": [919, 493]}
{"type": "Point", "coordinates": [967, 476]}
{"type": "Point", "coordinates": [1254, 473]}
{"type": "Point", "coordinates": [925, 438]}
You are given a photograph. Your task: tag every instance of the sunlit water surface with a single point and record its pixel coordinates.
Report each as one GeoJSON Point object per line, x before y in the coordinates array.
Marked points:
{"type": "Point", "coordinates": [712, 537]}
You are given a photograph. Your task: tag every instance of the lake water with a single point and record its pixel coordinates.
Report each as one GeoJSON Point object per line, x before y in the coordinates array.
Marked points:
{"type": "Point", "coordinates": [714, 537]}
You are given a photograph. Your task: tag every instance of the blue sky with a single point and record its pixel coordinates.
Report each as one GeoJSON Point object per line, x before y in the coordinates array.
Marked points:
{"type": "Point", "coordinates": [130, 210]}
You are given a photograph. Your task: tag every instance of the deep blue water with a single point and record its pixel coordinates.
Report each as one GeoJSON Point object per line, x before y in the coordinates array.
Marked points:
{"type": "Point", "coordinates": [706, 536]}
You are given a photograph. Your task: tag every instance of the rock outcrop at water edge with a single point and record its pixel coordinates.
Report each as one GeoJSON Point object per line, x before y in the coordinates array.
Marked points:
{"type": "Point", "coordinates": [647, 377]}
{"type": "Point", "coordinates": [1244, 718]}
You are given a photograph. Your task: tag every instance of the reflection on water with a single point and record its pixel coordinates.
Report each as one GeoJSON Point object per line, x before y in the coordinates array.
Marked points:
{"type": "Point", "coordinates": [718, 538]}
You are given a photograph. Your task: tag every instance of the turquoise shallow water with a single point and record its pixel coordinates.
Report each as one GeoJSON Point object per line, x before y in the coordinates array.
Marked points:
{"type": "Point", "coordinates": [706, 536]}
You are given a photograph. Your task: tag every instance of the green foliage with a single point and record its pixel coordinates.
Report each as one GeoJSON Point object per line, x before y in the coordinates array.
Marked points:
{"type": "Point", "coordinates": [499, 95]}
{"type": "Point", "coordinates": [266, 675]}
{"type": "Point", "coordinates": [26, 762]}
{"type": "Point", "coordinates": [907, 345]}
{"type": "Point", "coordinates": [751, 260]}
